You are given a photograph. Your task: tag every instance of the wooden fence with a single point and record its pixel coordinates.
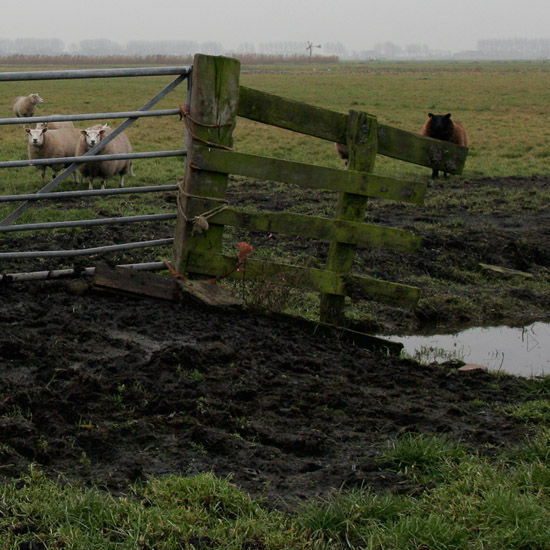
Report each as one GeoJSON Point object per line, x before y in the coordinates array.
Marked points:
{"type": "Point", "coordinates": [216, 101]}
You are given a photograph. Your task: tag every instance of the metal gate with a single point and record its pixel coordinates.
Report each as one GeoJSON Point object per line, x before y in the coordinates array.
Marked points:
{"type": "Point", "coordinates": [45, 194]}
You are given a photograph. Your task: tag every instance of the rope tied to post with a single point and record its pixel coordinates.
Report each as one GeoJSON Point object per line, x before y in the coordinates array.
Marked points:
{"type": "Point", "coordinates": [200, 221]}
{"type": "Point", "coordinates": [185, 115]}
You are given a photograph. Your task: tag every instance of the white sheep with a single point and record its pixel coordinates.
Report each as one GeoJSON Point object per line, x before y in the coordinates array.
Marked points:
{"type": "Point", "coordinates": [23, 106]}
{"type": "Point", "coordinates": [104, 169]}
{"type": "Point", "coordinates": [44, 143]}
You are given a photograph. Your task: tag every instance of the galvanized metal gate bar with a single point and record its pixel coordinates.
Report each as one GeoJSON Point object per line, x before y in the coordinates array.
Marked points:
{"type": "Point", "coordinates": [68, 171]}
{"type": "Point", "coordinates": [68, 272]}
{"type": "Point", "coordinates": [88, 193]}
{"type": "Point", "coordinates": [87, 223]}
{"type": "Point", "coordinates": [84, 158]}
{"type": "Point", "coordinates": [94, 73]}
{"type": "Point", "coordinates": [84, 251]}
{"type": "Point", "coordinates": [90, 116]}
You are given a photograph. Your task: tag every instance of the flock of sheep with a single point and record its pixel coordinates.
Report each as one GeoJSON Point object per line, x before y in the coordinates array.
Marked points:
{"type": "Point", "coordinates": [62, 139]}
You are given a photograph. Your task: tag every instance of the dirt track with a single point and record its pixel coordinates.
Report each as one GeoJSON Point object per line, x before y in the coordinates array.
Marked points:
{"type": "Point", "coordinates": [108, 389]}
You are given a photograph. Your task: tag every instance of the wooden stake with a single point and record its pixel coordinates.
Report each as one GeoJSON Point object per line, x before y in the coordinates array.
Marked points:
{"type": "Point", "coordinates": [362, 148]}
{"type": "Point", "coordinates": [213, 109]}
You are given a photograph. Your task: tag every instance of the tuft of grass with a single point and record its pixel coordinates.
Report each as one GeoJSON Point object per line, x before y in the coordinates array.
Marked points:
{"type": "Point", "coordinates": [537, 411]}
{"type": "Point", "coordinates": [421, 454]}
{"type": "Point", "coordinates": [345, 516]}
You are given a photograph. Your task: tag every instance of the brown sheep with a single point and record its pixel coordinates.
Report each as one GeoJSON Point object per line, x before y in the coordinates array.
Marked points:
{"type": "Point", "coordinates": [442, 127]}
{"type": "Point", "coordinates": [342, 152]}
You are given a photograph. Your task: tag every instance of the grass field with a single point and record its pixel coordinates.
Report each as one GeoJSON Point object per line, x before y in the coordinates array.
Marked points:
{"type": "Point", "coordinates": [467, 501]}
{"type": "Point", "coordinates": [503, 106]}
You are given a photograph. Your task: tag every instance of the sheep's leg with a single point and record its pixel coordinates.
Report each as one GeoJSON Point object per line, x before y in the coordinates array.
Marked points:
{"type": "Point", "coordinates": [91, 183]}
{"type": "Point", "coordinates": [121, 182]}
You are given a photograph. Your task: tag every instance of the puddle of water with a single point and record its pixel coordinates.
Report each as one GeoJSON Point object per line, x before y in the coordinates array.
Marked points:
{"type": "Point", "coordinates": [521, 351]}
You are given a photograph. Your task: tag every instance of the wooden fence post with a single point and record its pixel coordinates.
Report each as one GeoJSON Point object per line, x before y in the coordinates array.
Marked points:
{"type": "Point", "coordinates": [212, 113]}
{"type": "Point", "coordinates": [362, 143]}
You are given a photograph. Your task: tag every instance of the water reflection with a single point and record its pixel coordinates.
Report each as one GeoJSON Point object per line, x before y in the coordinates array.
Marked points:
{"type": "Point", "coordinates": [523, 351]}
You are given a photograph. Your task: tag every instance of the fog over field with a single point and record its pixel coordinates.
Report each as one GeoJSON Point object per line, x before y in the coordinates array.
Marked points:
{"type": "Point", "coordinates": [349, 28]}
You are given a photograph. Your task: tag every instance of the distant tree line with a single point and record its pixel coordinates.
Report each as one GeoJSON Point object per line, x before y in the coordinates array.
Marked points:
{"type": "Point", "coordinates": [143, 48]}
{"type": "Point", "coordinates": [512, 48]}
{"type": "Point", "coordinates": [104, 47]}
{"type": "Point", "coordinates": [515, 48]}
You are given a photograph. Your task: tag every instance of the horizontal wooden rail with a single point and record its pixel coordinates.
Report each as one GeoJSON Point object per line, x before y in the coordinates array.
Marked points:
{"type": "Point", "coordinates": [308, 175]}
{"type": "Point", "coordinates": [313, 279]}
{"type": "Point", "coordinates": [312, 227]}
{"type": "Point", "coordinates": [330, 125]}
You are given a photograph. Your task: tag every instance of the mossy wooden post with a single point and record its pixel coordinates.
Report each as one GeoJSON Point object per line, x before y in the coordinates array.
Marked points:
{"type": "Point", "coordinates": [213, 109]}
{"type": "Point", "coordinates": [362, 143]}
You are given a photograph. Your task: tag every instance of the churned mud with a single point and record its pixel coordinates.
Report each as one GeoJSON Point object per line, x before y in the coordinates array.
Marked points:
{"type": "Point", "coordinates": [107, 389]}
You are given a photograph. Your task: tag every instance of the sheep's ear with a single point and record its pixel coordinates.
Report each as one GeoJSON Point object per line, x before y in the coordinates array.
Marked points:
{"type": "Point", "coordinates": [448, 116]}
{"type": "Point", "coordinates": [27, 129]}
{"type": "Point", "coordinates": [83, 132]}
{"type": "Point", "coordinates": [430, 115]}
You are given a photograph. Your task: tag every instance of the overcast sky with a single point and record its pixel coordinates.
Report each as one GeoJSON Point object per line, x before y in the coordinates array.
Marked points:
{"type": "Point", "coordinates": [358, 24]}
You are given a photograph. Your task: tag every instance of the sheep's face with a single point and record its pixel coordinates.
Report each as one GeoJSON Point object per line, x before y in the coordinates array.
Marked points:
{"type": "Point", "coordinates": [441, 126]}
{"type": "Point", "coordinates": [36, 136]}
{"type": "Point", "coordinates": [93, 136]}
{"type": "Point", "coordinates": [35, 98]}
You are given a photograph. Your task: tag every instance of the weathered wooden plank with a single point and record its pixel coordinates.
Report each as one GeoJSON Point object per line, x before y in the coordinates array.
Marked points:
{"type": "Point", "coordinates": [313, 279]}
{"type": "Point", "coordinates": [214, 99]}
{"type": "Point", "coordinates": [313, 227]}
{"type": "Point", "coordinates": [341, 334]}
{"type": "Point", "coordinates": [308, 175]}
{"type": "Point", "coordinates": [132, 281]}
{"type": "Point", "coordinates": [425, 151]}
{"type": "Point", "coordinates": [330, 125]}
{"type": "Point", "coordinates": [291, 115]}
{"type": "Point", "coordinates": [208, 294]}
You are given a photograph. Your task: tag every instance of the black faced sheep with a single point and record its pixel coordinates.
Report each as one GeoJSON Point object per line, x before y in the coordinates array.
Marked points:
{"type": "Point", "coordinates": [44, 143]}
{"type": "Point", "coordinates": [442, 127]}
{"type": "Point", "coordinates": [23, 106]}
{"type": "Point", "coordinates": [105, 169]}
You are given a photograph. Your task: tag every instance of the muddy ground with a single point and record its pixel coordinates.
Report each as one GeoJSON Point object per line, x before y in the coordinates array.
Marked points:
{"type": "Point", "coordinates": [107, 389]}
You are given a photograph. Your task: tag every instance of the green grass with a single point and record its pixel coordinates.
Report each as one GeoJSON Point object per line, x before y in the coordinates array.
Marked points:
{"type": "Point", "coordinates": [503, 106]}
{"type": "Point", "coordinates": [462, 500]}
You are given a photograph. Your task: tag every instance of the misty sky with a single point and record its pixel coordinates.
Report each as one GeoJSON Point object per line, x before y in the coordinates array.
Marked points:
{"type": "Point", "coordinates": [358, 24]}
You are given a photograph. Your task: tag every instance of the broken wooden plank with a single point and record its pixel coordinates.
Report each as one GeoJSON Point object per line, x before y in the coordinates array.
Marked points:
{"type": "Point", "coordinates": [505, 271]}
{"type": "Point", "coordinates": [131, 281]}
{"type": "Point", "coordinates": [340, 334]}
{"type": "Point", "coordinates": [208, 294]}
